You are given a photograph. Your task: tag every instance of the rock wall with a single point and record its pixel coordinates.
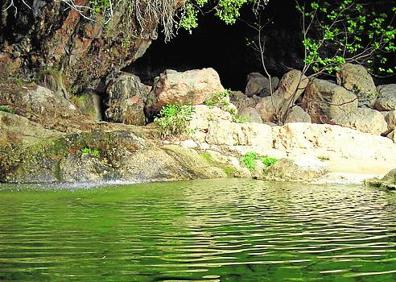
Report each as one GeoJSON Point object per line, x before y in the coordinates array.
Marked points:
{"type": "Point", "coordinates": [59, 46]}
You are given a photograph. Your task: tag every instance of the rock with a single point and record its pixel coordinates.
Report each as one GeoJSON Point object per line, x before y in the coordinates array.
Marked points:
{"type": "Point", "coordinates": [390, 119]}
{"type": "Point", "coordinates": [239, 134]}
{"type": "Point", "coordinates": [355, 78]}
{"type": "Point", "coordinates": [323, 139]}
{"type": "Point", "coordinates": [93, 52]}
{"type": "Point", "coordinates": [387, 98]}
{"type": "Point", "coordinates": [388, 181]}
{"type": "Point", "coordinates": [251, 114]}
{"type": "Point", "coordinates": [241, 101]}
{"type": "Point", "coordinates": [273, 108]}
{"type": "Point", "coordinates": [324, 101]}
{"type": "Point", "coordinates": [297, 114]}
{"type": "Point", "coordinates": [392, 136]}
{"type": "Point", "coordinates": [291, 86]}
{"type": "Point", "coordinates": [269, 108]}
{"type": "Point", "coordinates": [190, 87]}
{"type": "Point", "coordinates": [15, 129]}
{"type": "Point", "coordinates": [89, 104]}
{"type": "Point", "coordinates": [258, 85]}
{"type": "Point", "coordinates": [127, 98]}
{"type": "Point", "coordinates": [305, 170]}
{"type": "Point", "coordinates": [364, 120]}
{"type": "Point", "coordinates": [120, 155]}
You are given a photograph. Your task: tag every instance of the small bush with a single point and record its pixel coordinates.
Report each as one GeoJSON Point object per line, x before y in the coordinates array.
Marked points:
{"type": "Point", "coordinates": [220, 99]}
{"type": "Point", "coordinates": [7, 109]}
{"type": "Point", "coordinates": [250, 158]}
{"type": "Point", "coordinates": [86, 151]}
{"type": "Point", "coordinates": [241, 119]}
{"type": "Point", "coordinates": [174, 120]}
{"type": "Point", "coordinates": [268, 161]}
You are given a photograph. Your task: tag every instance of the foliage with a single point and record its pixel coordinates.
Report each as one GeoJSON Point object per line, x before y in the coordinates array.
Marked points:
{"type": "Point", "coordinates": [268, 161]}
{"type": "Point", "coordinates": [227, 11]}
{"type": "Point", "coordinates": [86, 151]}
{"type": "Point", "coordinates": [7, 109]}
{"type": "Point", "coordinates": [240, 118]}
{"type": "Point", "coordinates": [219, 99]}
{"type": "Point", "coordinates": [174, 120]}
{"type": "Point", "coordinates": [250, 158]}
{"type": "Point", "coordinates": [349, 31]}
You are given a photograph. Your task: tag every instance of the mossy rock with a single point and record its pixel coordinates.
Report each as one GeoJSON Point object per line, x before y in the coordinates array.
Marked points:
{"type": "Point", "coordinates": [387, 182]}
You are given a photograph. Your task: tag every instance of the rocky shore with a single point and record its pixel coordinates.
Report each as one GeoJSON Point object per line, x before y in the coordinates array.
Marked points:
{"type": "Point", "coordinates": [303, 129]}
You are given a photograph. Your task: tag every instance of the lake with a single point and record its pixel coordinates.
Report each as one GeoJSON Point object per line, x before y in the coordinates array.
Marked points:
{"type": "Point", "coordinates": [207, 230]}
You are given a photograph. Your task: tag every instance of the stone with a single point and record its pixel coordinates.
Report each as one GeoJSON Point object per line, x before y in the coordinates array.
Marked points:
{"type": "Point", "coordinates": [190, 87]}
{"type": "Point", "coordinates": [392, 136]}
{"type": "Point", "coordinates": [89, 104]}
{"type": "Point", "coordinates": [274, 108]}
{"type": "Point", "coordinates": [356, 78]}
{"type": "Point", "coordinates": [127, 98]}
{"type": "Point", "coordinates": [364, 120]}
{"type": "Point", "coordinates": [305, 170]}
{"type": "Point", "coordinates": [387, 182]}
{"type": "Point", "coordinates": [387, 98]}
{"type": "Point", "coordinates": [324, 101]}
{"type": "Point", "coordinates": [324, 139]}
{"type": "Point", "coordinates": [390, 119]}
{"type": "Point", "coordinates": [259, 85]}
{"type": "Point", "coordinates": [241, 101]}
{"type": "Point", "coordinates": [297, 114]}
{"type": "Point", "coordinates": [291, 86]}
{"type": "Point", "coordinates": [269, 108]}
{"type": "Point", "coordinates": [251, 114]}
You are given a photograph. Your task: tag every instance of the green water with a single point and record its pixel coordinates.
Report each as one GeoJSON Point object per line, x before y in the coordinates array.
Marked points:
{"type": "Point", "coordinates": [221, 230]}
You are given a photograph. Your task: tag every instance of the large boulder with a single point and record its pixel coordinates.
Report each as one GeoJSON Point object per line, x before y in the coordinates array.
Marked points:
{"type": "Point", "coordinates": [259, 85]}
{"type": "Point", "coordinates": [324, 101]}
{"type": "Point", "coordinates": [387, 98]}
{"type": "Point", "coordinates": [274, 108]}
{"type": "Point", "coordinates": [364, 120]}
{"type": "Point", "coordinates": [190, 87]}
{"type": "Point", "coordinates": [297, 114]}
{"type": "Point", "coordinates": [356, 78]}
{"type": "Point", "coordinates": [325, 139]}
{"type": "Point", "coordinates": [127, 98]}
{"type": "Point", "coordinates": [214, 126]}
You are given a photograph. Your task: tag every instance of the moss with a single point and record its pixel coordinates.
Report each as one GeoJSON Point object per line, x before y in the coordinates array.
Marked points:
{"type": "Point", "coordinates": [230, 171]}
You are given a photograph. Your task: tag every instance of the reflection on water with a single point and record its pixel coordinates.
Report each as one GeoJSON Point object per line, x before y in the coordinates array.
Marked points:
{"type": "Point", "coordinates": [222, 230]}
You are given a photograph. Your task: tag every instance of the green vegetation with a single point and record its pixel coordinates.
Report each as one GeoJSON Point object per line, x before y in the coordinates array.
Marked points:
{"type": "Point", "coordinates": [240, 119]}
{"type": "Point", "coordinates": [7, 109]}
{"type": "Point", "coordinates": [219, 99]}
{"type": "Point", "coordinates": [93, 152]}
{"type": "Point", "coordinates": [350, 31]}
{"type": "Point", "coordinates": [174, 120]}
{"type": "Point", "coordinates": [250, 158]}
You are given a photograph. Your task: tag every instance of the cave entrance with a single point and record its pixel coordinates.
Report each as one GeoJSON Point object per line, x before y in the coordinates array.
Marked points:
{"type": "Point", "coordinates": [224, 48]}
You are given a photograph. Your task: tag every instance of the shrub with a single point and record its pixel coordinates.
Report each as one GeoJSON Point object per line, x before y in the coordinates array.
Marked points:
{"type": "Point", "coordinates": [174, 120]}
{"type": "Point", "coordinates": [7, 109]}
{"type": "Point", "coordinates": [219, 99]}
{"type": "Point", "coordinates": [86, 151]}
{"type": "Point", "coordinates": [250, 158]}
{"type": "Point", "coordinates": [268, 161]}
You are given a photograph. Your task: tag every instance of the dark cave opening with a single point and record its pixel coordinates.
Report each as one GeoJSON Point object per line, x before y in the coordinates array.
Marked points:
{"type": "Point", "coordinates": [224, 48]}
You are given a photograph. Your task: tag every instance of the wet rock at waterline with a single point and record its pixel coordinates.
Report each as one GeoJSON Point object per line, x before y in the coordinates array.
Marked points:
{"type": "Point", "coordinates": [388, 181]}
{"type": "Point", "coordinates": [126, 100]}
{"type": "Point", "coordinates": [190, 87]}
{"type": "Point", "coordinates": [355, 78]}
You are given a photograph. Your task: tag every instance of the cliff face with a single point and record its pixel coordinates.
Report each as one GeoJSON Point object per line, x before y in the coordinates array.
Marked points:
{"type": "Point", "coordinates": [53, 43]}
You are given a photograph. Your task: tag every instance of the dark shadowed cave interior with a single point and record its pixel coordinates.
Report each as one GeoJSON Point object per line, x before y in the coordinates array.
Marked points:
{"type": "Point", "coordinates": [224, 47]}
